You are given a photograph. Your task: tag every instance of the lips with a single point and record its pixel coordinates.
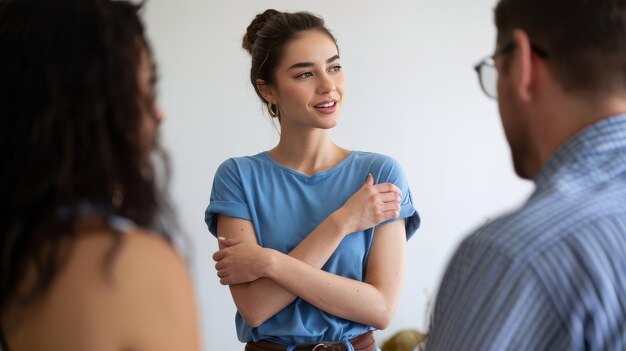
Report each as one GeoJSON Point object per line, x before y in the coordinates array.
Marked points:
{"type": "Point", "coordinates": [328, 104]}
{"type": "Point", "coordinates": [327, 107]}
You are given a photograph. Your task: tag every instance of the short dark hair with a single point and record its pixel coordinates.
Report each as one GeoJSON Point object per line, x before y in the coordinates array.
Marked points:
{"type": "Point", "coordinates": [586, 39]}
{"type": "Point", "coordinates": [267, 36]}
{"type": "Point", "coordinates": [71, 108]}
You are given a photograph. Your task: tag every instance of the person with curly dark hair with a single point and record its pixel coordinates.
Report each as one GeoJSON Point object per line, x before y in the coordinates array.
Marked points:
{"type": "Point", "coordinates": [81, 265]}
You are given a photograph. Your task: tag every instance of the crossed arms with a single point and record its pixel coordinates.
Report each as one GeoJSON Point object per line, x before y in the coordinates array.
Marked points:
{"type": "Point", "coordinates": [263, 281]}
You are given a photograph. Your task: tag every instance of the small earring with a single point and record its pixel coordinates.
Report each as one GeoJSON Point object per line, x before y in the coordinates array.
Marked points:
{"type": "Point", "coordinates": [273, 110]}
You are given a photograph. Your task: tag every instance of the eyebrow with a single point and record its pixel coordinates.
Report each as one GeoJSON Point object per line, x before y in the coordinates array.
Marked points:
{"type": "Point", "coordinates": [311, 64]}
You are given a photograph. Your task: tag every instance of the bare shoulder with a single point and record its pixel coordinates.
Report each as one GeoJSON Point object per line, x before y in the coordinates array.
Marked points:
{"type": "Point", "coordinates": [154, 291]}
{"type": "Point", "coordinates": [140, 288]}
{"type": "Point", "coordinates": [125, 260]}
{"type": "Point", "coordinates": [144, 253]}
{"type": "Point", "coordinates": [114, 291]}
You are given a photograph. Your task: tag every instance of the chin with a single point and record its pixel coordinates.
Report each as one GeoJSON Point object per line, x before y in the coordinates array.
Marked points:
{"type": "Point", "coordinates": [329, 124]}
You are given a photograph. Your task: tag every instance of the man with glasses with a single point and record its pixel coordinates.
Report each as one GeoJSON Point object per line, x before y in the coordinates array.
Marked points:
{"type": "Point", "coordinates": [551, 275]}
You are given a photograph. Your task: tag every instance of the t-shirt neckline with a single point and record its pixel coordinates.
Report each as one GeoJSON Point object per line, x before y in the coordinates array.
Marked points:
{"type": "Point", "coordinates": [321, 174]}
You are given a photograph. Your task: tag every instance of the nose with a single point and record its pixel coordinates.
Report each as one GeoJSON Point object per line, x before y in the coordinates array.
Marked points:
{"type": "Point", "coordinates": [326, 84]}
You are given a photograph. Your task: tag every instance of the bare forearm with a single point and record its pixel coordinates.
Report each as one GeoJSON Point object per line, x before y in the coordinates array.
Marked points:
{"type": "Point", "coordinates": [261, 299]}
{"type": "Point", "coordinates": [337, 295]}
{"type": "Point", "coordinates": [317, 247]}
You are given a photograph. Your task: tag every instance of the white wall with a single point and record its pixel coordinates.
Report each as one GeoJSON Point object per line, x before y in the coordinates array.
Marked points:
{"type": "Point", "coordinates": [412, 94]}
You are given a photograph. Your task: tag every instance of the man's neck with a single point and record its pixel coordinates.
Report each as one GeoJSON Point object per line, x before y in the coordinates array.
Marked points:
{"type": "Point", "coordinates": [570, 115]}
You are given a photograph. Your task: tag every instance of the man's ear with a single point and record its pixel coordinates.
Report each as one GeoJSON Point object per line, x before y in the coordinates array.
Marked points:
{"type": "Point", "coordinates": [521, 66]}
{"type": "Point", "coordinates": [267, 91]}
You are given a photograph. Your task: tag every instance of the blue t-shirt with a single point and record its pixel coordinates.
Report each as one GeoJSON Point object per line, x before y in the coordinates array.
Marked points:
{"type": "Point", "coordinates": [284, 206]}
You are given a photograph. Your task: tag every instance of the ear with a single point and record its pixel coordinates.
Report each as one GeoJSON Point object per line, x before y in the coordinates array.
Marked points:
{"type": "Point", "coordinates": [267, 91]}
{"type": "Point", "coordinates": [521, 66]}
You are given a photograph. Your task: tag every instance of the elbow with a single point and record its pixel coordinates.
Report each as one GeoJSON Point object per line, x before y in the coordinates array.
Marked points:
{"type": "Point", "coordinates": [382, 322]}
{"type": "Point", "coordinates": [250, 306]}
{"type": "Point", "coordinates": [251, 315]}
{"type": "Point", "coordinates": [254, 323]}
{"type": "Point", "coordinates": [383, 317]}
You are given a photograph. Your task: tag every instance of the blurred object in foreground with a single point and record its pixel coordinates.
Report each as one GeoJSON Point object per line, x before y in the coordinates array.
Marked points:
{"type": "Point", "coordinates": [405, 340]}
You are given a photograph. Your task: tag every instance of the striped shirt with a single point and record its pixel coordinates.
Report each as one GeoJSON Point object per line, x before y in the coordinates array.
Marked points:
{"type": "Point", "coordinates": [552, 274]}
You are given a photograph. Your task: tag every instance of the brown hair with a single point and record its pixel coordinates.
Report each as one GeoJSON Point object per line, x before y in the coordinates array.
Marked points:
{"type": "Point", "coordinates": [268, 35]}
{"type": "Point", "coordinates": [586, 40]}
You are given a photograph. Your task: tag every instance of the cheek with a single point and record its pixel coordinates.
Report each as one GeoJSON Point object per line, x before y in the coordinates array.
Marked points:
{"type": "Point", "coordinates": [340, 82]}
{"type": "Point", "coordinates": [148, 130]}
{"type": "Point", "coordinates": [499, 87]}
{"type": "Point", "coordinates": [294, 95]}
{"type": "Point", "coordinates": [150, 122]}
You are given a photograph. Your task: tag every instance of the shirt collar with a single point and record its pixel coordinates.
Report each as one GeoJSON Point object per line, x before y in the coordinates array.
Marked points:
{"type": "Point", "coordinates": [589, 157]}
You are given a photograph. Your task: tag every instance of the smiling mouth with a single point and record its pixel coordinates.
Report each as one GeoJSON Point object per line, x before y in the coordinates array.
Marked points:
{"type": "Point", "coordinates": [327, 105]}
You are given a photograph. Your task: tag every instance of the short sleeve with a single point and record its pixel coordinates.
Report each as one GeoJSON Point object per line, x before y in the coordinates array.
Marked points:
{"type": "Point", "coordinates": [389, 170]}
{"type": "Point", "coordinates": [227, 196]}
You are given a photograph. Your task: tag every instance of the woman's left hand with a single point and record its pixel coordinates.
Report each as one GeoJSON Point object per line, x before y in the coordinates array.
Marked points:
{"type": "Point", "coordinates": [240, 261]}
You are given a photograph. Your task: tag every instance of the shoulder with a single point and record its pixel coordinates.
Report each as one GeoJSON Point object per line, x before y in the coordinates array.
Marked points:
{"type": "Point", "coordinates": [245, 161]}
{"type": "Point", "coordinates": [547, 224]}
{"type": "Point", "coordinates": [377, 162]}
{"type": "Point", "coordinates": [154, 294]}
{"type": "Point", "coordinates": [237, 166]}
{"type": "Point", "coordinates": [129, 288]}
{"type": "Point", "coordinates": [384, 168]}
{"type": "Point", "coordinates": [142, 249]}
{"type": "Point", "coordinates": [374, 158]}
{"type": "Point", "coordinates": [570, 257]}
{"type": "Point", "coordinates": [127, 263]}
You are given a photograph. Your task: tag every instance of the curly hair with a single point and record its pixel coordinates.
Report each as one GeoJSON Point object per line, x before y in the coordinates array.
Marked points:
{"type": "Point", "coordinates": [72, 111]}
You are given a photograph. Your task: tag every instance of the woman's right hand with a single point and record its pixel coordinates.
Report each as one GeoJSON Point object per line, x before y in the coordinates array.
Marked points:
{"type": "Point", "coordinates": [371, 205]}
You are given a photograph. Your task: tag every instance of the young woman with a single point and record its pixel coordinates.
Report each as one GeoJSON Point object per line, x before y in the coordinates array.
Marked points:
{"type": "Point", "coordinates": [81, 268]}
{"type": "Point", "coordinates": [312, 236]}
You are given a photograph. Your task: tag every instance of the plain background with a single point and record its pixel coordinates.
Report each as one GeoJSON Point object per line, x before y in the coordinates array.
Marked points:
{"type": "Point", "coordinates": [411, 93]}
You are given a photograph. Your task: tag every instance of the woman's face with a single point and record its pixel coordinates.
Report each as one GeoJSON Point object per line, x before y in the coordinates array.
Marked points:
{"type": "Point", "coordinates": [309, 83]}
{"type": "Point", "coordinates": [151, 114]}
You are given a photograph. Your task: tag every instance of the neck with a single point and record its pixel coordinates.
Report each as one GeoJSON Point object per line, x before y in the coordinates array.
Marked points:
{"type": "Point", "coordinates": [309, 153]}
{"type": "Point", "coordinates": [569, 116]}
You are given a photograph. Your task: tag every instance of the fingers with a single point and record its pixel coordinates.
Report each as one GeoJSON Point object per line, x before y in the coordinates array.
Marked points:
{"type": "Point", "coordinates": [388, 188]}
{"type": "Point", "coordinates": [218, 255]}
{"type": "Point", "coordinates": [228, 247]}
{"type": "Point", "coordinates": [228, 242]}
{"type": "Point", "coordinates": [390, 207]}
{"type": "Point", "coordinates": [390, 215]}
{"type": "Point", "coordinates": [389, 197]}
{"type": "Point", "coordinates": [223, 278]}
{"type": "Point", "coordinates": [382, 187]}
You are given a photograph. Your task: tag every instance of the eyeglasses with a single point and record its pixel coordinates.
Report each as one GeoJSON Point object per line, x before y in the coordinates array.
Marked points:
{"type": "Point", "coordinates": [487, 73]}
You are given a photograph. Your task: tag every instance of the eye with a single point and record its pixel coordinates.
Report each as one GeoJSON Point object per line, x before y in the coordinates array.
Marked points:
{"type": "Point", "coordinates": [305, 75]}
{"type": "Point", "coordinates": [336, 68]}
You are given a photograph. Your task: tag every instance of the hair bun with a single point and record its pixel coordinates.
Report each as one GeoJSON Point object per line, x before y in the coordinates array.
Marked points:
{"type": "Point", "coordinates": [257, 23]}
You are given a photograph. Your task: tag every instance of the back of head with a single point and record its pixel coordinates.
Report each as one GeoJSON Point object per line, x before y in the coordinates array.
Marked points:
{"type": "Point", "coordinates": [72, 115]}
{"type": "Point", "coordinates": [585, 39]}
{"type": "Point", "coordinates": [268, 35]}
